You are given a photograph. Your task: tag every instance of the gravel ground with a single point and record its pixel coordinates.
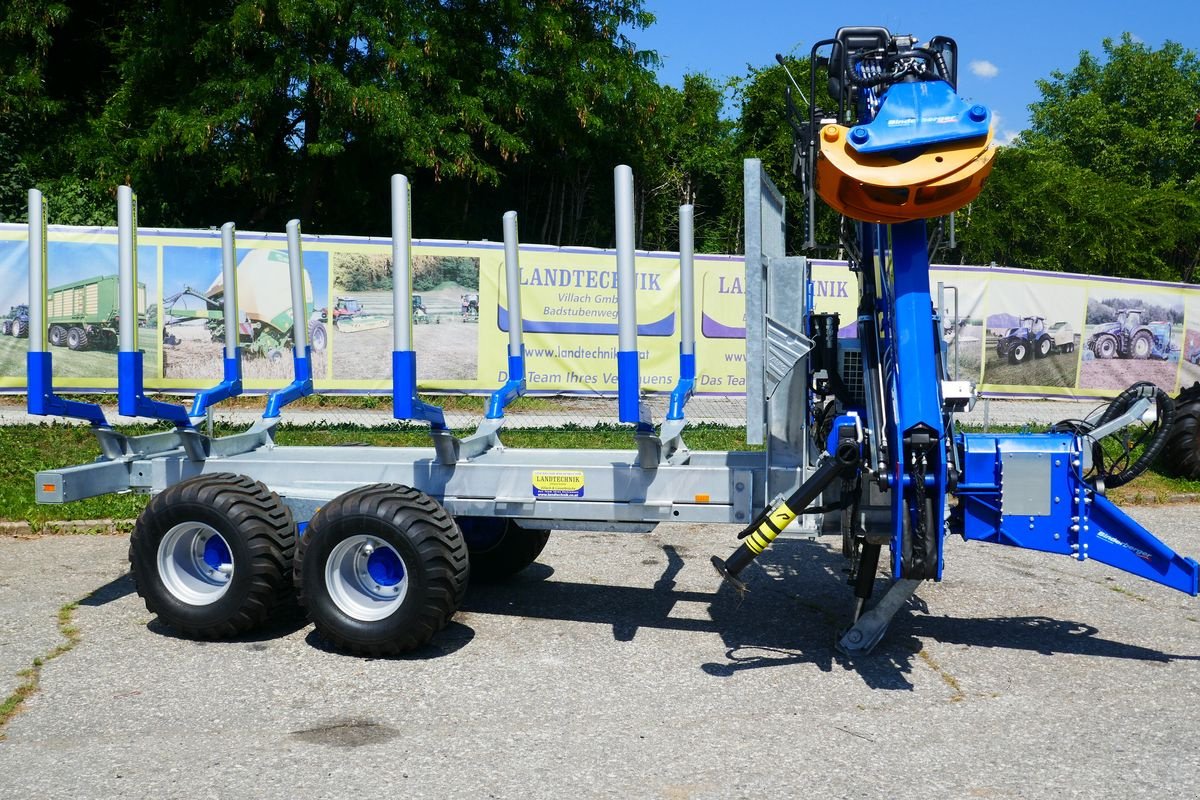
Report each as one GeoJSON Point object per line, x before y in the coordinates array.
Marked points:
{"type": "Point", "coordinates": [619, 667]}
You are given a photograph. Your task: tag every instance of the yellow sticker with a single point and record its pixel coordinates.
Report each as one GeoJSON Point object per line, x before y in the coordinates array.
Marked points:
{"type": "Point", "coordinates": [557, 483]}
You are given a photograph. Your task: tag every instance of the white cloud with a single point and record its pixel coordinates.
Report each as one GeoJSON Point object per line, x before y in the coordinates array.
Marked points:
{"type": "Point", "coordinates": [984, 69]}
{"type": "Point", "coordinates": [1004, 136]}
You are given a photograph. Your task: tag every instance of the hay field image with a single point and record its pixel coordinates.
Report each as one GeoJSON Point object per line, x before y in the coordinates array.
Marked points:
{"type": "Point", "coordinates": [193, 318]}
{"type": "Point", "coordinates": [445, 314]}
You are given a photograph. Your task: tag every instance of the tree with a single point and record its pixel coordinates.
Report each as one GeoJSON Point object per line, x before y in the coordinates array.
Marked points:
{"type": "Point", "coordinates": [1107, 180]}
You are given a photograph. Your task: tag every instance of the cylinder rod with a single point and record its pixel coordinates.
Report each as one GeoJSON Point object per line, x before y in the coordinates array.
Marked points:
{"type": "Point", "coordinates": [626, 273]}
{"type": "Point", "coordinates": [296, 273]}
{"type": "Point", "coordinates": [37, 271]}
{"type": "Point", "coordinates": [687, 247]}
{"type": "Point", "coordinates": [512, 274]}
{"type": "Point", "coordinates": [229, 280]}
{"type": "Point", "coordinates": [127, 269]}
{"type": "Point", "coordinates": [401, 264]}
{"type": "Point", "coordinates": [628, 378]}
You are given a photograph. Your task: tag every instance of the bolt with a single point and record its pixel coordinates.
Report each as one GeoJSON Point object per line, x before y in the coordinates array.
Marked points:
{"type": "Point", "coordinates": [225, 569]}
{"type": "Point", "coordinates": [860, 135]}
{"type": "Point", "coordinates": [367, 549]}
{"type": "Point", "coordinates": [854, 636]}
{"type": "Point", "coordinates": [1058, 462]}
{"type": "Point", "coordinates": [1031, 526]}
{"type": "Point", "coordinates": [1085, 546]}
{"type": "Point", "coordinates": [977, 113]}
{"type": "Point", "coordinates": [741, 487]}
{"type": "Point", "coordinates": [1057, 537]}
{"type": "Point", "coordinates": [1057, 500]}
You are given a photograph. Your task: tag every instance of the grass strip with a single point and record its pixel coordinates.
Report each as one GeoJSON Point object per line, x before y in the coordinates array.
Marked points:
{"type": "Point", "coordinates": [31, 676]}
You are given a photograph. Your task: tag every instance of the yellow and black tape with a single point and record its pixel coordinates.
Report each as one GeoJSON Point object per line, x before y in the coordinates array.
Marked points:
{"type": "Point", "coordinates": [775, 522]}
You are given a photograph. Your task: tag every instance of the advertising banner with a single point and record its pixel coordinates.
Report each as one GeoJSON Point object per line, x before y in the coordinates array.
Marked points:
{"type": "Point", "coordinates": [1014, 332]}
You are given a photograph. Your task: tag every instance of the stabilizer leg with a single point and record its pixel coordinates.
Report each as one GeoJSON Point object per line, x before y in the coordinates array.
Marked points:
{"type": "Point", "coordinates": [871, 626]}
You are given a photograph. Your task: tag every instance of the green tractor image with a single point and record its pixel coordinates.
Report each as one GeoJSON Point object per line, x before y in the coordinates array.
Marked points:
{"type": "Point", "coordinates": [266, 325]}
{"type": "Point", "coordinates": [1129, 337]}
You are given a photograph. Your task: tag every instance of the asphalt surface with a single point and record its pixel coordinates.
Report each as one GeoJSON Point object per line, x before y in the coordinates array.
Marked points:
{"type": "Point", "coordinates": [619, 667]}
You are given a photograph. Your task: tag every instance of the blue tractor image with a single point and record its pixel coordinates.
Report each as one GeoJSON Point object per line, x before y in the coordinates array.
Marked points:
{"type": "Point", "coordinates": [17, 322]}
{"type": "Point", "coordinates": [1032, 337]}
{"type": "Point", "coordinates": [1129, 337]}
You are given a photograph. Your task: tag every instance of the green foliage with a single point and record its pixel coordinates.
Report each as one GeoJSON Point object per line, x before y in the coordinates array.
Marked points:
{"type": "Point", "coordinates": [261, 110]}
{"type": "Point", "coordinates": [1106, 182]}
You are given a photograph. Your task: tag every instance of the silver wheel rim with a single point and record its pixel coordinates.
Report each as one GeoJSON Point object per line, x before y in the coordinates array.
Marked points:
{"type": "Point", "coordinates": [367, 579]}
{"type": "Point", "coordinates": [1141, 349]}
{"type": "Point", "coordinates": [194, 563]}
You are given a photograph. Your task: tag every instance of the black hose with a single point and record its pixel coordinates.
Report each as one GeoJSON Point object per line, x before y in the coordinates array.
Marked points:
{"type": "Point", "coordinates": [1153, 438]}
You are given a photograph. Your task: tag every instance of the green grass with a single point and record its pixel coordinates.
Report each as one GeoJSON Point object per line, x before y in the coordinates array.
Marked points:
{"type": "Point", "coordinates": [77, 364]}
{"type": "Point", "coordinates": [25, 449]}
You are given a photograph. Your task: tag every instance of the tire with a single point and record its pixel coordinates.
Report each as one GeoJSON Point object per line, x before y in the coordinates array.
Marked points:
{"type": "Point", "coordinates": [1142, 345]}
{"type": "Point", "coordinates": [1105, 346]}
{"type": "Point", "coordinates": [57, 335]}
{"type": "Point", "coordinates": [1019, 353]}
{"type": "Point", "coordinates": [77, 338]}
{"type": "Point", "coordinates": [500, 548]}
{"type": "Point", "coordinates": [20, 328]}
{"type": "Point", "coordinates": [318, 337]}
{"type": "Point", "coordinates": [180, 543]}
{"type": "Point", "coordinates": [274, 356]}
{"type": "Point", "coordinates": [381, 569]}
{"type": "Point", "coordinates": [1044, 347]}
{"type": "Point", "coordinates": [1181, 454]}
{"type": "Point", "coordinates": [6, 327]}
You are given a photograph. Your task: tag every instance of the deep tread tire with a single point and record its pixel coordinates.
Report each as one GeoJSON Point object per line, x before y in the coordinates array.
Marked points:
{"type": "Point", "coordinates": [77, 339]}
{"type": "Point", "coordinates": [1045, 347]}
{"type": "Point", "coordinates": [428, 541]}
{"type": "Point", "coordinates": [57, 335]}
{"type": "Point", "coordinates": [1182, 451]}
{"type": "Point", "coordinates": [499, 547]}
{"type": "Point", "coordinates": [318, 336]}
{"type": "Point", "coordinates": [261, 536]}
{"type": "Point", "coordinates": [20, 329]}
{"type": "Point", "coordinates": [1142, 345]}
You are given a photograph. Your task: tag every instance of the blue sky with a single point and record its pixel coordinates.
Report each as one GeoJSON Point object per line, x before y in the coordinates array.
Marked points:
{"type": "Point", "coordinates": [1012, 44]}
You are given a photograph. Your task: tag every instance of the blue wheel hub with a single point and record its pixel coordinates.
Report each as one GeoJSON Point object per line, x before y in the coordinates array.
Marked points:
{"type": "Point", "coordinates": [385, 567]}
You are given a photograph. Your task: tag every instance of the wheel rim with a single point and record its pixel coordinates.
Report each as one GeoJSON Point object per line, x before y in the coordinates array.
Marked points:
{"type": "Point", "coordinates": [367, 579]}
{"type": "Point", "coordinates": [1019, 352]}
{"type": "Point", "coordinates": [195, 563]}
{"type": "Point", "coordinates": [1141, 349]}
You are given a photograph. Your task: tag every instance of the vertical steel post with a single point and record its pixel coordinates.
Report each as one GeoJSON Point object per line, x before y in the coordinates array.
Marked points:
{"type": "Point", "coordinates": [401, 265]}
{"type": "Point", "coordinates": [687, 325]}
{"type": "Point", "coordinates": [299, 307]}
{"type": "Point", "coordinates": [229, 280]}
{"type": "Point", "coordinates": [301, 385]}
{"type": "Point", "coordinates": [405, 401]}
{"type": "Point", "coordinates": [131, 394]}
{"type": "Point", "coordinates": [127, 269]}
{"type": "Point", "coordinates": [231, 386]}
{"type": "Point", "coordinates": [39, 369]}
{"type": "Point", "coordinates": [628, 378]}
{"type": "Point", "coordinates": [512, 275]}
{"type": "Point", "coordinates": [514, 387]}
{"type": "Point", "coordinates": [37, 272]}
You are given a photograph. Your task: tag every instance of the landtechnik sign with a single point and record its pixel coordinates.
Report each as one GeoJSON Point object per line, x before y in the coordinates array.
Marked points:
{"type": "Point", "coordinates": [1018, 332]}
